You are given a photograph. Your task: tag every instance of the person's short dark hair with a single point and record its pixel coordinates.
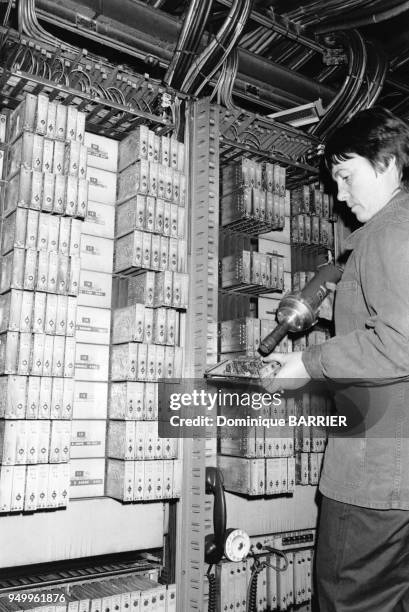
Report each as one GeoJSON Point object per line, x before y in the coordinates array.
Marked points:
{"type": "Point", "coordinates": [376, 134]}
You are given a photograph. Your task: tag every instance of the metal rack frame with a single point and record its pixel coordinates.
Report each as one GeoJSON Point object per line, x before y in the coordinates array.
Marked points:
{"type": "Point", "coordinates": [113, 98]}
{"type": "Point", "coordinates": [263, 139]}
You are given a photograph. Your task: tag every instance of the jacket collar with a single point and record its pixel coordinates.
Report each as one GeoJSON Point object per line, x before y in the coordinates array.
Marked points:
{"type": "Point", "coordinates": [376, 221]}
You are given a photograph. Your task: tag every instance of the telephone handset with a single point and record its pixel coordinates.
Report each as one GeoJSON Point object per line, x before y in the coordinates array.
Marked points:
{"type": "Point", "coordinates": [233, 543]}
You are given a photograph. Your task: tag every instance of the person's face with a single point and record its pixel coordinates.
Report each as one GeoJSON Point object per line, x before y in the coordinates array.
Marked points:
{"type": "Point", "coordinates": [364, 189]}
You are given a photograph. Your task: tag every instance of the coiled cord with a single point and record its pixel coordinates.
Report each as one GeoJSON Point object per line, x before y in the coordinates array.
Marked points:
{"type": "Point", "coordinates": [212, 590]}
{"type": "Point", "coordinates": [252, 588]}
{"type": "Point", "coordinates": [258, 567]}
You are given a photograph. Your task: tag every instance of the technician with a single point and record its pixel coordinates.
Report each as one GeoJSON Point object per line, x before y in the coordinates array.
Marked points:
{"type": "Point", "coordinates": [362, 561]}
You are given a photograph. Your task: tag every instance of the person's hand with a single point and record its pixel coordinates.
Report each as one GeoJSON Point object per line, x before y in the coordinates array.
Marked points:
{"type": "Point", "coordinates": [290, 375]}
{"type": "Point", "coordinates": [325, 311]}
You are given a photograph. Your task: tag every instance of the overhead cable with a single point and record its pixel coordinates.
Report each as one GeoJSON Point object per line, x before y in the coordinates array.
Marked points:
{"type": "Point", "coordinates": [363, 21]}
{"type": "Point", "coordinates": [212, 57]}
{"type": "Point", "coordinates": [189, 40]}
{"type": "Point", "coordinates": [342, 103]}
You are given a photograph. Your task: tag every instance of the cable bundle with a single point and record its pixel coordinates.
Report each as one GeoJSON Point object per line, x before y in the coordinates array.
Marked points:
{"type": "Point", "coordinates": [359, 90]}
{"type": "Point", "coordinates": [28, 23]}
{"type": "Point", "coordinates": [224, 87]}
{"type": "Point", "coordinates": [189, 40]}
{"type": "Point", "coordinates": [213, 56]}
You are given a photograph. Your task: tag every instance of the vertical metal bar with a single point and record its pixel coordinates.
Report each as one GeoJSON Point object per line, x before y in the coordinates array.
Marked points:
{"type": "Point", "coordinates": [202, 136]}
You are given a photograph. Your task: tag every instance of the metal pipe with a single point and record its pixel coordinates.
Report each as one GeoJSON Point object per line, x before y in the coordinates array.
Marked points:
{"type": "Point", "coordinates": [167, 28]}
{"type": "Point", "coordinates": [135, 14]}
{"type": "Point", "coordinates": [265, 97]}
{"type": "Point", "coordinates": [83, 21]}
{"type": "Point", "coordinates": [363, 21]}
{"type": "Point", "coordinates": [110, 37]}
{"type": "Point", "coordinates": [278, 76]}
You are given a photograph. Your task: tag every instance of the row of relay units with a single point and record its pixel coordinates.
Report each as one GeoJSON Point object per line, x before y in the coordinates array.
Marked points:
{"type": "Point", "coordinates": [119, 594]}
{"type": "Point", "coordinates": [307, 199]}
{"type": "Point", "coordinates": [34, 487]}
{"type": "Point", "coordinates": [24, 442]}
{"type": "Point", "coordinates": [117, 173]}
{"type": "Point", "coordinates": [165, 218]}
{"type": "Point", "coordinates": [52, 176]}
{"type": "Point", "coordinates": [312, 230]}
{"type": "Point", "coordinates": [139, 212]}
{"type": "Point", "coordinates": [249, 173]}
{"type": "Point", "coordinates": [243, 266]}
{"type": "Point", "coordinates": [37, 354]}
{"type": "Point", "coordinates": [271, 476]}
{"type": "Point", "coordinates": [252, 192]}
{"type": "Point", "coordinates": [53, 313]}
{"type": "Point", "coordinates": [256, 205]}
{"type": "Point", "coordinates": [44, 155]}
{"type": "Point", "coordinates": [280, 441]}
{"type": "Point", "coordinates": [244, 336]}
{"type": "Point", "coordinates": [305, 229]}
{"type": "Point", "coordinates": [264, 458]}
{"type": "Point", "coordinates": [31, 229]}
{"type": "Point", "coordinates": [55, 272]}
{"type": "Point", "coordinates": [46, 271]}
{"type": "Point", "coordinates": [156, 289]}
{"type": "Point", "coordinates": [151, 165]}
{"type": "Point", "coordinates": [55, 267]}
{"type": "Point", "coordinates": [67, 195]}
{"type": "Point", "coordinates": [45, 355]}
{"type": "Point", "coordinates": [150, 251]}
{"type": "Point", "coordinates": [46, 486]}
{"type": "Point", "coordinates": [53, 158]}
{"type": "Point", "coordinates": [51, 122]}
{"type": "Point", "coordinates": [276, 589]}
{"type": "Point", "coordinates": [45, 162]}
{"type": "Point", "coordinates": [283, 442]}
{"type": "Point", "coordinates": [52, 193]}
{"type": "Point", "coordinates": [41, 313]}
{"type": "Point", "coordinates": [135, 481]}
{"type": "Point", "coordinates": [42, 116]}
{"type": "Point", "coordinates": [253, 268]}
{"type": "Point", "coordinates": [35, 397]}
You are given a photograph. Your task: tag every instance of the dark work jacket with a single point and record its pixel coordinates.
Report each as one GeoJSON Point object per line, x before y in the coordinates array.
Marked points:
{"type": "Point", "coordinates": [368, 363]}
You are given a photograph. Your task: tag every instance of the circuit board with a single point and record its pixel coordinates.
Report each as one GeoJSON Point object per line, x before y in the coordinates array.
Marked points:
{"type": "Point", "coordinates": [241, 368]}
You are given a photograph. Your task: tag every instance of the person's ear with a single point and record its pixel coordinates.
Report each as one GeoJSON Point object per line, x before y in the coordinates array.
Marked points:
{"type": "Point", "coordinates": [387, 165]}
{"type": "Point", "coordinates": [390, 165]}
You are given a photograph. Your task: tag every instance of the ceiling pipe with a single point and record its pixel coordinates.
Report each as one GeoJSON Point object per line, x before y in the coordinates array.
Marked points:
{"type": "Point", "coordinates": [85, 21]}
{"type": "Point", "coordinates": [137, 18]}
{"type": "Point", "coordinates": [266, 71]}
{"type": "Point", "coordinates": [121, 19]}
{"type": "Point", "coordinates": [363, 21]}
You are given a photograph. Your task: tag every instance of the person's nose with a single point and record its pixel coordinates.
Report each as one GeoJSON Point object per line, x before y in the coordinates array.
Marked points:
{"type": "Point", "coordinates": [342, 192]}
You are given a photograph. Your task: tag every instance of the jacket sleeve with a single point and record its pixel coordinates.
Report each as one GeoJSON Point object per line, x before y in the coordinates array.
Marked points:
{"type": "Point", "coordinates": [379, 350]}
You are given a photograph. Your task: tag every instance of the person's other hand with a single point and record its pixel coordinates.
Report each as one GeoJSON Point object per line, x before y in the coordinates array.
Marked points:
{"type": "Point", "coordinates": [290, 375]}
{"type": "Point", "coordinates": [326, 310]}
